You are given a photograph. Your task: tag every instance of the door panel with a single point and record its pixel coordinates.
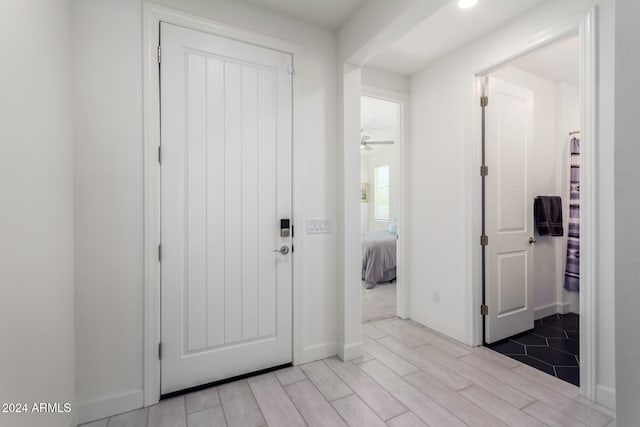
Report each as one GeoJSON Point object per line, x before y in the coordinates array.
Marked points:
{"type": "Point", "coordinates": [512, 282]}
{"type": "Point", "coordinates": [215, 192]}
{"type": "Point", "coordinates": [509, 211]}
{"type": "Point", "coordinates": [226, 182]}
{"type": "Point", "coordinates": [511, 162]}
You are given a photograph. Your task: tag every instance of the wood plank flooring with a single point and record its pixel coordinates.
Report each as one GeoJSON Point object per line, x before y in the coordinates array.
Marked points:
{"type": "Point", "coordinates": [408, 376]}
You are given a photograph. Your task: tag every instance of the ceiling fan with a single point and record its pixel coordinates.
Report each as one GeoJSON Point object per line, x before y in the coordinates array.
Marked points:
{"type": "Point", "coordinates": [365, 144]}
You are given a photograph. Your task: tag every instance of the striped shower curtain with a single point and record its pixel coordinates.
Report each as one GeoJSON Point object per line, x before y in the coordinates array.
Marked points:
{"type": "Point", "coordinates": [572, 272]}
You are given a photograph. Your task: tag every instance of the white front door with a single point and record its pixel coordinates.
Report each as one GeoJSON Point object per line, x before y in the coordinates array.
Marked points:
{"type": "Point", "coordinates": [226, 114]}
{"type": "Point", "coordinates": [509, 211]}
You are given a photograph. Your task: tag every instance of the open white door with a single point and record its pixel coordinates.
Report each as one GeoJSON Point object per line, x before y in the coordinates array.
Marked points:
{"type": "Point", "coordinates": [509, 211]}
{"type": "Point", "coordinates": [226, 114]}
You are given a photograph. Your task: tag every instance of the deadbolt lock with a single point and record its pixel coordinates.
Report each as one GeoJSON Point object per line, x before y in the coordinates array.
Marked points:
{"type": "Point", "coordinates": [285, 227]}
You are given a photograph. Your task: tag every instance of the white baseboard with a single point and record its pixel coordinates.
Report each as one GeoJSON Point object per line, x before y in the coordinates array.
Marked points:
{"type": "Point", "coordinates": [350, 351]}
{"type": "Point", "coordinates": [456, 334]}
{"type": "Point", "coordinates": [317, 352]}
{"type": "Point", "coordinates": [549, 309]}
{"type": "Point", "coordinates": [545, 310]}
{"type": "Point", "coordinates": [606, 396]}
{"type": "Point", "coordinates": [74, 418]}
{"type": "Point", "coordinates": [564, 307]}
{"type": "Point", "coordinates": [101, 408]}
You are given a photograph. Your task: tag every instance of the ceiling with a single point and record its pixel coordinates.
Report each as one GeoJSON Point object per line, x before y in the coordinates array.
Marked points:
{"type": "Point", "coordinates": [446, 30]}
{"type": "Point", "coordinates": [559, 62]}
{"type": "Point", "coordinates": [379, 119]}
{"type": "Point", "coordinates": [325, 13]}
{"type": "Point", "coordinates": [376, 113]}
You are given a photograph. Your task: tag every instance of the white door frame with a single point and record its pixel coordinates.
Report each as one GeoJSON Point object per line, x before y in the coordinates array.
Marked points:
{"type": "Point", "coordinates": [152, 16]}
{"type": "Point", "coordinates": [402, 287]}
{"type": "Point", "coordinates": [585, 27]}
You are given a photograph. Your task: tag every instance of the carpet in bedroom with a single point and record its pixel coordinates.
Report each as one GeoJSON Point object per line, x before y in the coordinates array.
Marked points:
{"type": "Point", "coordinates": [378, 303]}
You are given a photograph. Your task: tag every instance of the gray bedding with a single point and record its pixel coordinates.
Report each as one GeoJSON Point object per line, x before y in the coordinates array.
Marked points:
{"type": "Point", "coordinates": [378, 256]}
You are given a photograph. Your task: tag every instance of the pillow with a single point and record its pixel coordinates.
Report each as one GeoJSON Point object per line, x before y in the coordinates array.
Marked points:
{"type": "Point", "coordinates": [393, 226]}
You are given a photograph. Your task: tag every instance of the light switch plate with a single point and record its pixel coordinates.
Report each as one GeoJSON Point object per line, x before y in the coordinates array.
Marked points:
{"type": "Point", "coordinates": [318, 225]}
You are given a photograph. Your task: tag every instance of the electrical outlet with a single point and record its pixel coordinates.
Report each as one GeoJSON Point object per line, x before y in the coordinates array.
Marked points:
{"type": "Point", "coordinates": [435, 296]}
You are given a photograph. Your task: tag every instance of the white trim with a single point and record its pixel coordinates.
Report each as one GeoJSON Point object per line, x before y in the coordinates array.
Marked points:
{"type": "Point", "coordinates": [73, 422]}
{"type": "Point", "coordinates": [588, 207]}
{"type": "Point", "coordinates": [564, 307]}
{"type": "Point", "coordinates": [549, 309]}
{"type": "Point", "coordinates": [606, 396]}
{"type": "Point", "coordinates": [151, 117]}
{"type": "Point", "coordinates": [117, 404]}
{"type": "Point", "coordinates": [349, 296]}
{"type": "Point", "coordinates": [351, 351]}
{"type": "Point", "coordinates": [545, 310]}
{"type": "Point", "coordinates": [473, 223]}
{"type": "Point", "coordinates": [402, 285]}
{"type": "Point", "coordinates": [442, 328]}
{"type": "Point", "coordinates": [316, 352]}
{"type": "Point", "coordinates": [298, 202]}
{"type": "Point", "coordinates": [585, 26]}
{"type": "Point", "coordinates": [152, 15]}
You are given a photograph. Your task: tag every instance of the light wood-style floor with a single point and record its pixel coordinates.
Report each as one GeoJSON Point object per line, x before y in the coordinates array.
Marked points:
{"type": "Point", "coordinates": [408, 376]}
{"type": "Point", "coordinates": [378, 303]}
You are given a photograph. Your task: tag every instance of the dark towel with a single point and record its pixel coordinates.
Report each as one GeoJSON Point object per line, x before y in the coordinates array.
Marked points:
{"type": "Point", "coordinates": [547, 212]}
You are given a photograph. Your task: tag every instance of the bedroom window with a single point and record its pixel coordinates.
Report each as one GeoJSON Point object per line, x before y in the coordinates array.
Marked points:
{"type": "Point", "coordinates": [381, 193]}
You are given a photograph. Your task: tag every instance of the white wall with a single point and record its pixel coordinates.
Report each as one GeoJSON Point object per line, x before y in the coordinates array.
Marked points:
{"type": "Point", "coordinates": [37, 362]}
{"type": "Point", "coordinates": [365, 23]}
{"type": "Point", "coordinates": [107, 71]}
{"type": "Point", "coordinates": [108, 207]}
{"type": "Point", "coordinates": [443, 98]}
{"type": "Point", "coordinates": [385, 80]}
{"type": "Point", "coordinates": [627, 199]}
{"type": "Point", "coordinates": [436, 195]}
{"type": "Point", "coordinates": [360, 38]}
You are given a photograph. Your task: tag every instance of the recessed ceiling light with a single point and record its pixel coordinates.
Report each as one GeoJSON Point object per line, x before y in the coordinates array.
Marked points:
{"type": "Point", "coordinates": [466, 4]}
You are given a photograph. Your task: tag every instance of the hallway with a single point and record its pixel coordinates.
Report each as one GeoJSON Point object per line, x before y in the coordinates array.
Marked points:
{"type": "Point", "coordinates": [409, 375]}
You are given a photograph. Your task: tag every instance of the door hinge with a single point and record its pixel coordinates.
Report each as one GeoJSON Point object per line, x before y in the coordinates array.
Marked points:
{"type": "Point", "coordinates": [291, 248]}
{"type": "Point", "coordinates": [291, 71]}
{"type": "Point", "coordinates": [484, 170]}
{"type": "Point", "coordinates": [484, 240]}
{"type": "Point", "coordinates": [159, 252]}
{"type": "Point", "coordinates": [484, 101]}
{"type": "Point", "coordinates": [484, 310]}
{"type": "Point", "coordinates": [159, 55]}
{"type": "Point", "coordinates": [160, 350]}
{"type": "Point", "coordinates": [159, 154]}
{"type": "Point", "coordinates": [293, 231]}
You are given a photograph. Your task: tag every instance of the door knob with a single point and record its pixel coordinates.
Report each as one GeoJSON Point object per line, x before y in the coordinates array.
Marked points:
{"type": "Point", "coordinates": [283, 250]}
{"type": "Point", "coordinates": [531, 240]}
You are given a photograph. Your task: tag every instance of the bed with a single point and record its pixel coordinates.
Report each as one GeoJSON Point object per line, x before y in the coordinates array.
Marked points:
{"type": "Point", "coordinates": [378, 257]}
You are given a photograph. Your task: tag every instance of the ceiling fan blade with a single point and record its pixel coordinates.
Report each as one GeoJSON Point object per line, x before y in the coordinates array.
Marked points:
{"type": "Point", "coordinates": [365, 146]}
{"type": "Point", "coordinates": [380, 142]}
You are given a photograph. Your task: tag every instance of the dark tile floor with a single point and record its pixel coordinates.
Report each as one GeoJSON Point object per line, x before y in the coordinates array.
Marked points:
{"type": "Point", "coordinates": [551, 346]}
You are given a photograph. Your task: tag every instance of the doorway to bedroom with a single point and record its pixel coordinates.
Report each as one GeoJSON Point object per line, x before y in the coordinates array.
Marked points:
{"type": "Point", "coordinates": [380, 139]}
